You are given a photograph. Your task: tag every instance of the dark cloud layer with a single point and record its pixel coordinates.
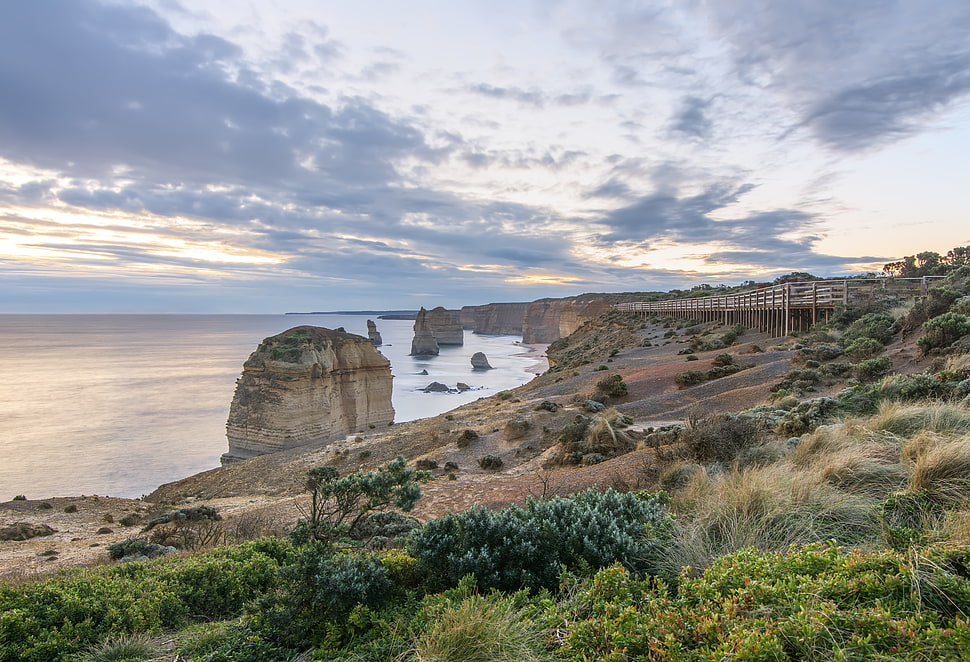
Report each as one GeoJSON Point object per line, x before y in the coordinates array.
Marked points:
{"type": "Point", "coordinates": [859, 74]}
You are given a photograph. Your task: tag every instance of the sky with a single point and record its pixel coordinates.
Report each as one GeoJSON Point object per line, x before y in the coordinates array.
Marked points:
{"type": "Point", "coordinates": [263, 156]}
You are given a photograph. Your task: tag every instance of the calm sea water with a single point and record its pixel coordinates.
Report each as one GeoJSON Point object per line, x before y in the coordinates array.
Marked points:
{"type": "Point", "coordinates": [119, 404]}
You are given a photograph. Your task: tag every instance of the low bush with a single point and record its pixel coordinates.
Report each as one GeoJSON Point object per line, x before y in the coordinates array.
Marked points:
{"type": "Point", "coordinates": [863, 348]}
{"type": "Point", "coordinates": [814, 602]}
{"type": "Point", "coordinates": [322, 586]}
{"type": "Point", "coordinates": [871, 369]}
{"type": "Point", "coordinates": [525, 547]}
{"type": "Point", "coordinates": [943, 330]}
{"type": "Point", "coordinates": [875, 326]}
{"type": "Point", "coordinates": [490, 462]}
{"type": "Point", "coordinates": [719, 437]}
{"type": "Point", "coordinates": [49, 621]}
{"type": "Point", "coordinates": [690, 378]}
{"type": "Point", "coordinates": [612, 386]}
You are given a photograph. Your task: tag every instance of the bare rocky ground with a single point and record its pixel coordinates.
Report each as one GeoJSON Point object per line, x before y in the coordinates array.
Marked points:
{"type": "Point", "coordinates": [265, 494]}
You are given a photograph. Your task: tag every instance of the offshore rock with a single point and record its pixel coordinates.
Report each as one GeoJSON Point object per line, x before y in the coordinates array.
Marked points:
{"type": "Point", "coordinates": [424, 342]}
{"type": "Point", "coordinates": [307, 385]}
{"type": "Point", "coordinates": [436, 387]}
{"type": "Point", "coordinates": [373, 334]}
{"type": "Point", "coordinates": [480, 361]}
{"type": "Point", "coordinates": [445, 326]}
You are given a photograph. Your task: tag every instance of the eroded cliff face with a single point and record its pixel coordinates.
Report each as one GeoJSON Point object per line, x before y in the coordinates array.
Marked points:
{"type": "Point", "coordinates": [445, 326]}
{"type": "Point", "coordinates": [307, 385]}
{"type": "Point", "coordinates": [547, 320]}
{"type": "Point", "coordinates": [498, 319]}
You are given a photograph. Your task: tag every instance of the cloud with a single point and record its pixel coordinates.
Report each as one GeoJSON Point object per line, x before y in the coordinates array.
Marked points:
{"type": "Point", "coordinates": [530, 97]}
{"type": "Point", "coordinates": [691, 119]}
{"type": "Point", "coordinates": [857, 75]}
{"type": "Point", "coordinates": [121, 90]}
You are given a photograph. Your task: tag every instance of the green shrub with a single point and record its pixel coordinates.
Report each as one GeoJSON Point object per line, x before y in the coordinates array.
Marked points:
{"type": "Point", "coordinates": [875, 326]}
{"type": "Point", "coordinates": [872, 368]}
{"type": "Point", "coordinates": [338, 504]}
{"type": "Point", "coordinates": [690, 378]}
{"type": "Point", "coordinates": [812, 603]}
{"type": "Point", "coordinates": [943, 330]}
{"type": "Point", "coordinates": [321, 586]}
{"type": "Point", "coordinates": [863, 348]}
{"type": "Point", "coordinates": [48, 621]}
{"type": "Point", "coordinates": [524, 547]}
{"type": "Point", "coordinates": [612, 386]}
{"type": "Point", "coordinates": [722, 360]}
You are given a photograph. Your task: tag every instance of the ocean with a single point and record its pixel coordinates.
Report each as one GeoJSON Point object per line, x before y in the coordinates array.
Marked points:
{"type": "Point", "coordinates": [119, 404]}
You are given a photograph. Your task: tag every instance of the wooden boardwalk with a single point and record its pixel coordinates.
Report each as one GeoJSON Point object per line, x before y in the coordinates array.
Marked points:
{"type": "Point", "coordinates": [787, 308]}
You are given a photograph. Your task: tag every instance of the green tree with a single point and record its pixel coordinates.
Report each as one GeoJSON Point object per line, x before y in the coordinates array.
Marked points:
{"type": "Point", "coordinates": [337, 505]}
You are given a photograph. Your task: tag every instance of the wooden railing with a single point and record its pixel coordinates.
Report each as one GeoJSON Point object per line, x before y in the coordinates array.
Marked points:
{"type": "Point", "coordinates": [781, 309]}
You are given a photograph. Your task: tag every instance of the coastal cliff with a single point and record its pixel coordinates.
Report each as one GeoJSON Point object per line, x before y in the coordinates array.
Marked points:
{"type": "Point", "coordinates": [547, 320]}
{"type": "Point", "coordinates": [498, 319]}
{"type": "Point", "coordinates": [306, 385]}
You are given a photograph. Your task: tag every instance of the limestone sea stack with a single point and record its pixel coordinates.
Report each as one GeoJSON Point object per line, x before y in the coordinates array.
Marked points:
{"type": "Point", "coordinates": [446, 326]}
{"type": "Point", "coordinates": [307, 385]}
{"type": "Point", "coordinates": [373, 334]}
{"type": "Point", "coordinates": [424, 342]}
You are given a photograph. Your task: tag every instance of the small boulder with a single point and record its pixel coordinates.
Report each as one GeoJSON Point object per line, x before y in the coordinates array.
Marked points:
{"type": "Point", "coordinates": [436, 387]}
{"type": "Point", "coordinates": [462, 386]}
{"type": "Point", "coordinates": [466, 437]}
{"type": "Point", "coordinates": [517, 428]}
{"type": "Point", "coordinates": [480, 361]}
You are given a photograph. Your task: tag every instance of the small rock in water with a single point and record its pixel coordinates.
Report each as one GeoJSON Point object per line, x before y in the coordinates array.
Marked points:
{"type": "Point", "coordinates": [462, 386]}
{"type": "Point", "coordinates": [480, 361]}
{"type": "Point", "coordinates": [436, 387]}
{"type": "Point", "coordinates": [423, 372]}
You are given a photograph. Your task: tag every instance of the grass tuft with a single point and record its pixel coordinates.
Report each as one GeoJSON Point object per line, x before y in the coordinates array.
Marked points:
{"type": "Point", "coordinates": [481, 629]}
{"type": "Point", "coordinates": [943, 472]}
{"type": "Point", "coordinates": [123, 648]}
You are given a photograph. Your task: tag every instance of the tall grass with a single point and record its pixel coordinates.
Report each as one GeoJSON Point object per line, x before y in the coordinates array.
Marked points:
{"type": "Point", "coordinates": [943, 472]}
{"type": "Point", "coordinates": [769, 508]}
{"type": "Point", "coordinates": [827, 486]}
{"type": "Point", "coordinates": [907, 420]}
{"type": "Point", "coordinates": [481, 628]}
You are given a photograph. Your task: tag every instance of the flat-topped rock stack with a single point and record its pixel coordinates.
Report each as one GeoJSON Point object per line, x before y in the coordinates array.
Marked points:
{"type": "Point", "coordinates": [307, 385]}
{"type": "Point", "coordinates": [446, 326]}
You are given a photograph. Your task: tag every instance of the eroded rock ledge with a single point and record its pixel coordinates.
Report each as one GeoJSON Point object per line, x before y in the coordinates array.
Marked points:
{"type": "Point", "coordinates": [307, 385]}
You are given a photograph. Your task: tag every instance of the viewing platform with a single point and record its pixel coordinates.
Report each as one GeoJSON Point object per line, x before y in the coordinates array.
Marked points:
{"type": "Point", "coordinates": [786, 308]}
